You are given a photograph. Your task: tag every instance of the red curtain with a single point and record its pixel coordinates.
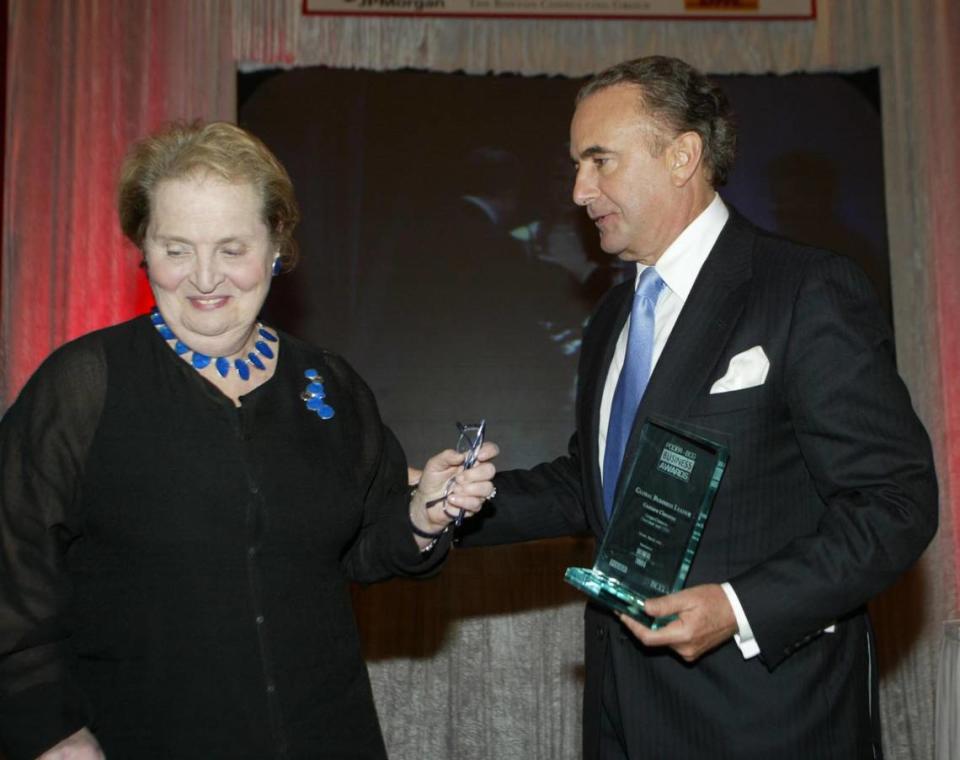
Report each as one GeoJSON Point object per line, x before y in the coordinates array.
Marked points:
{"type": "Point", "coordinates": [944, 162]}
{"type": "Point", "coordinates": [85, 79]}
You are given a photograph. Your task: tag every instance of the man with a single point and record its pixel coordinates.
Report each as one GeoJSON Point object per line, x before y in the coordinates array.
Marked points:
{"type": "Point", "coordinates": [779, 351]}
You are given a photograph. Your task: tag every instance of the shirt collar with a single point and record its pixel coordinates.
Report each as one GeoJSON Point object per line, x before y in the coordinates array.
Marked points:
{"type": "Point", "coordinates": [680, 264]}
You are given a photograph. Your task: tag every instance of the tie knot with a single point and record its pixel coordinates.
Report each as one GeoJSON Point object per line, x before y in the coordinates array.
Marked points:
{"type": "Point", "coordinates": [650, 285]}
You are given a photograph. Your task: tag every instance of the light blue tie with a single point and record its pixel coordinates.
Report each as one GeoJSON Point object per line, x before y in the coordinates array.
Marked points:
{"type": "Point", "coordinates": [633, 380]}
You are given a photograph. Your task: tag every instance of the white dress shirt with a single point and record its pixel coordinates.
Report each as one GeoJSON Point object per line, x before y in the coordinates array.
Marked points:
{"type": "Point", "coordinates": [678, 267]}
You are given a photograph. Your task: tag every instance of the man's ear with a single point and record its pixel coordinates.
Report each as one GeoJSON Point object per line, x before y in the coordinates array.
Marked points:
{"type": "Point", "coordinates": [685, 155]}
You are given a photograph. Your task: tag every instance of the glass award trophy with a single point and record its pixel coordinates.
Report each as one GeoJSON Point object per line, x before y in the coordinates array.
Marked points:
{"type": "Point", "coordinates": [659, 514]}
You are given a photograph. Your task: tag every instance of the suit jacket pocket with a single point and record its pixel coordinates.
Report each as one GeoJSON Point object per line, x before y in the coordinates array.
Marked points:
{"type": "Point", "coordinates": [731, 401]}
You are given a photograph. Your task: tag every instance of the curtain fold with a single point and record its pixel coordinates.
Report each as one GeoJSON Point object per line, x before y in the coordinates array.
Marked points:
{"type": "Point", "coordinates": [87, 77]}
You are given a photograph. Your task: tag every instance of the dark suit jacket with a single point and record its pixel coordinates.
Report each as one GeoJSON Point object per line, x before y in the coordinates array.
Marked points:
{"type": "Point", "coordinates": [829, 495]}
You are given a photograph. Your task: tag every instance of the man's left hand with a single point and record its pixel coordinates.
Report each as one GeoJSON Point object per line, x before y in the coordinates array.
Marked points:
{"type": "Point", "coordinates": [705, 620]}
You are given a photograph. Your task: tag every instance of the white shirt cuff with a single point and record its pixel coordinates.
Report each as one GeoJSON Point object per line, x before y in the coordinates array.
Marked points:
{"type": "Point", "coordinates": [744, 635]}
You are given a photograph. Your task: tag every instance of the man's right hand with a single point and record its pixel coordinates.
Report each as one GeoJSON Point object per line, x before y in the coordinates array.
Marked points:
{"type": "Point", "coordinates": [79, 746]}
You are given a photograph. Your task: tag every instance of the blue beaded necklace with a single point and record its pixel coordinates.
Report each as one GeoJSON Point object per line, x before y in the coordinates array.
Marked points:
{"type": "Point", "coordinates": [221, 363]}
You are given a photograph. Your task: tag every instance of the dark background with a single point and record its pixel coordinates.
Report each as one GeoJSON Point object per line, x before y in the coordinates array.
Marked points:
{"type": "Point", "coordinates": [448, 323]}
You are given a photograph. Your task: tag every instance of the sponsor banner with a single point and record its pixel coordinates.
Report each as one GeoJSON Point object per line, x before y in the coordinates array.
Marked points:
{"type": "Point", "coordinates": [692, 10]}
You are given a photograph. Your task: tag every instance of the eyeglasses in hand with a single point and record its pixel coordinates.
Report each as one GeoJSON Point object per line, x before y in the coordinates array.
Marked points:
{"type": "Point", "coordinates": [468, 443]}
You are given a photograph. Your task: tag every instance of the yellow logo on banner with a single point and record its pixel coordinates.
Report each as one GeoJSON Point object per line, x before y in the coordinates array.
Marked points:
{"type": "Point", "coordinates": [721, 5]}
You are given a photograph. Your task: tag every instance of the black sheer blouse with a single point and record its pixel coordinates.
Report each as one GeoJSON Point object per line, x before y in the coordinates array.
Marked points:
{"type": "Point", "coordinates": [174, 568]}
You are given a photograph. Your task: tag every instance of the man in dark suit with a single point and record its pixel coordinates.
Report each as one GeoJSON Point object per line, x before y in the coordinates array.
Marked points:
{"type": "Point", "coordinates": [779, 351]}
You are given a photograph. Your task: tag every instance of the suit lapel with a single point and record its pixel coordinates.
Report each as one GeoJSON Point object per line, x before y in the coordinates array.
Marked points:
{"type": "Point", "coordinates": [598, 347]}
{"type": "Point", "coordinates": [702, 329]}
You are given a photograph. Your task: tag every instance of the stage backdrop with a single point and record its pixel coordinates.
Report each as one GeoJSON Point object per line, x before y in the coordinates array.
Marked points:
{"type": "Point", "coordinates": [444, 257]}
{"type": "Point", "coordinates": [86, 77]}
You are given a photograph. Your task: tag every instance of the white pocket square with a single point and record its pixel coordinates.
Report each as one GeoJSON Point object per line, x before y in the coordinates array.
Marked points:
{"type": "Point", "coordinates": [747, 369]}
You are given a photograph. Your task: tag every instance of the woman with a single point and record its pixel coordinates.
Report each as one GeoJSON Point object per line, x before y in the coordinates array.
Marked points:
{"type": "Point", "coordinates": [185, 496]}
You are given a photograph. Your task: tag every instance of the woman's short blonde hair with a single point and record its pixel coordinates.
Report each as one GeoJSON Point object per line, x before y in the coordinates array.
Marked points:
{"type": "Point", "coordinates": [221, 149]}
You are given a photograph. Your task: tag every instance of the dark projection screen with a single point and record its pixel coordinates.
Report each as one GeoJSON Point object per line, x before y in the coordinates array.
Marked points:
{"type": "Point", "coordinates": [442, 254]}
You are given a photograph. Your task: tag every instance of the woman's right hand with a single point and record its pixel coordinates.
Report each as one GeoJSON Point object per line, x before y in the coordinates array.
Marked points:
{"type": "Point", "coordinates": [79, 746]}
{"type": "Point", "coordinates": [444, 485]}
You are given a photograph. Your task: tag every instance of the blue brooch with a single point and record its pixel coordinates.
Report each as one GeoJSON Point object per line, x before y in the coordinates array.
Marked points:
{"type": "Point", "coordinates": [314, 395]}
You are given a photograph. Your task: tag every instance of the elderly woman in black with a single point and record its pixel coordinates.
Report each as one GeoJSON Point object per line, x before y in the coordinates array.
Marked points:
{"type": "Point", "coordinates": [185, 496]}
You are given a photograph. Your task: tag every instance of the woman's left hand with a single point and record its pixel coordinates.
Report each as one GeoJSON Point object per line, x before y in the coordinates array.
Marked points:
{"type": "Point", "coordinates": [445, 488]}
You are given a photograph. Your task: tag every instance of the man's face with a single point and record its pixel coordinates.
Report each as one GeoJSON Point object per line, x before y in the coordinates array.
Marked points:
{"type": "Point", "coordinates": [627, 191]}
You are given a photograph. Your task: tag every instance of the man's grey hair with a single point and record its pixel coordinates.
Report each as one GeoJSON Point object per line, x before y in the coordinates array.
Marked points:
{"type": "Point", "coordinates": [679, 99]}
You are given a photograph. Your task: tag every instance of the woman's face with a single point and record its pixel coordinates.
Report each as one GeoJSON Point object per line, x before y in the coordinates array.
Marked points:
{"type": "Point", "coordinates": [209, 258]}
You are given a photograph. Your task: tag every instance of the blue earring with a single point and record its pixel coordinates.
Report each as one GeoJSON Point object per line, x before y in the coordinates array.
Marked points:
{"type": "Point", "coordinates": [276, 266]}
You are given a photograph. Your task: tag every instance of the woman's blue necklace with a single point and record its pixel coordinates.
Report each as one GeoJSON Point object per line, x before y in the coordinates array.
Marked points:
{"type": "Point", "coordinates": [223, 365]}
